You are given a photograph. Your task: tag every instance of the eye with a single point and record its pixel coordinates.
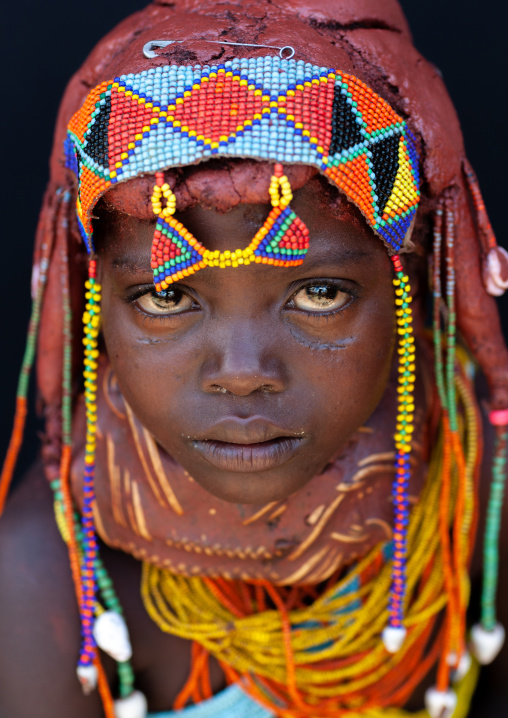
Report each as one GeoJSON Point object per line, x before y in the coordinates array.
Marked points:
{"type": "Point", "coordinates": [320, 297]}
{"type": "Point", "coordinates": [169, 301]}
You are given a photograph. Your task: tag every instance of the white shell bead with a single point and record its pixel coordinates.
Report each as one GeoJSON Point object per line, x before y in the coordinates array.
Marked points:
{"type": "Point", "coordinates": [393, 638]}
{"type": "Point", "coordinates": [440, 704]}
{"type": "Point", "coordinates": [486, 645]}
{"type": "Point", "coordinates": [87, 676]}
{"type": "Point", "coordinates": [134, 706]}
{"type": "Point", "coordinates": [111, 635]}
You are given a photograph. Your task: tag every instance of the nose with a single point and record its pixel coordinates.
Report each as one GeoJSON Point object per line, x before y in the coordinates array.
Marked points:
{"type": "Point", "coordinates": [244, 360]}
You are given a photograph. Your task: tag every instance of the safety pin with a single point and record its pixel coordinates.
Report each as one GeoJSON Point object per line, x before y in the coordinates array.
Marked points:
{"type": "Point", "coordinates": [149, 47]}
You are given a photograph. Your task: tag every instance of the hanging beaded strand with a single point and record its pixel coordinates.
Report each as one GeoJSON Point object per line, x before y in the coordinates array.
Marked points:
{"type": "Point", "coordinates": [499, 420]}
{"type": "Point", "coordinates": [87, 672]}
{"type": "Point", "coordinates": [458, 474]}
{"type": "Point", "coordinates": [488, 636]}
{"type": "Point", "coordinates": [443, 393]}
{"type": "Point", "coordinates": [495, 258]}
{"type": "Point", "coordinates": [395, 633]}
{"type": "Point", "coordinates": [465, 500]}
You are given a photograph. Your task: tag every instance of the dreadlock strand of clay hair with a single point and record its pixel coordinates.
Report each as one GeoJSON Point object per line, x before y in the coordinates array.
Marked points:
{"type": "Point", "coordinates": [477, 314]}
{"type": "Point", "coordinates": [495, 258]}
{"type": "Point", "coordinates": [45, 247]}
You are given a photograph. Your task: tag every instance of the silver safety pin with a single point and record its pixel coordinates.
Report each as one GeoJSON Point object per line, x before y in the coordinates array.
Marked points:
{"type": "Point", "coordinates": [149, 47]}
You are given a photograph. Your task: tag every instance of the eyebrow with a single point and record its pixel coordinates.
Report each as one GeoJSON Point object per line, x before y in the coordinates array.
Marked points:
{"type": "Point", "coordinates": [334, 255]}
{"type": "Point", "coordinates": [339, 255]}
{"type": "Point", "coordinates": [133, 266]}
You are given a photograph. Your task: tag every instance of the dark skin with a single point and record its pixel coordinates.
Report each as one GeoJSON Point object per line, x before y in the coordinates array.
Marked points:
{"type": "Point", "coordinates": [234, 352]}
{"type": "Point", "coordinates": [240, 366]}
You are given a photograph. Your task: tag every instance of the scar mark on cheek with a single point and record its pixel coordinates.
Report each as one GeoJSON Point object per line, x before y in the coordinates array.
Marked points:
{"type": "Point", "coordinates": [317, 344]}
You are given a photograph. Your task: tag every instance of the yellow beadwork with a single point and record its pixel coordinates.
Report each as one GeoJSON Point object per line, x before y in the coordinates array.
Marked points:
{"type": "Point", "coordinates": [91, 322]}
{"type": "Point", "coordinates": [406, 369]}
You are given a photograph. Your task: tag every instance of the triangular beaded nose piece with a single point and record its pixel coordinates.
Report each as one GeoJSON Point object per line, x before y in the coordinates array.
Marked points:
{"type": "Point", "coordinates": [264, 108]}
{"type": "Point", "coordinates": [175, 252]}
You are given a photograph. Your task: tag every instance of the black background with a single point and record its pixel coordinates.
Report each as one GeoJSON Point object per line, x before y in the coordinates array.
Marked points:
{"type": "Point", "coordinates": [45, 43]}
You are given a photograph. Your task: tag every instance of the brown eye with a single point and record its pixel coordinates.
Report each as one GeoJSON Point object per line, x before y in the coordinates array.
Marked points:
{"type": "Point", "coordinates": [170, 301]}
{"type": "Point", "coordinates": [320, 297]}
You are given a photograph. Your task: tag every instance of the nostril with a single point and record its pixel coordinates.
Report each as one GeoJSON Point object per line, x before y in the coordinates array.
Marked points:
{"type": "Point", "coordinates": [263, 389]}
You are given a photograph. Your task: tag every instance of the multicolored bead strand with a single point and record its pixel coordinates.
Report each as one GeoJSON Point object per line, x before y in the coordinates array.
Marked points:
{"type": "Point", "coordinates": [487, 235]}
{"type": "Point", "coordinates": [104, 582]}
{"type": "Point", "coordinates": [437, 305]}
{"type": "Point", "coordinates": [66, 520]}
{"type": "Point", "coordinates": [91, 322]}
{"type": "Point", "coordinates": [495, 258]}
{"type": "Point", "coordinates": [395, 633]}
{"type": "Point", "coordinates": [451, 317]}
{"type": "Point", "coordinates": [494, 513]}
{"type": "Point", "coordinates": [459, 475]}
{"type": "Point", "coordinates": [487, 637]}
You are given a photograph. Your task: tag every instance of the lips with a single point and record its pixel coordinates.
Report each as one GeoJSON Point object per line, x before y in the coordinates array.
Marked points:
{"type": "Point", "coordinates": [247, 446]}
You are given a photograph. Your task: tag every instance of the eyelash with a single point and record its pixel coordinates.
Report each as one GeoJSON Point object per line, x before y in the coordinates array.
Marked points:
{"type": "Point", "coordinates": [146, 316]}
{"type": "Point", "coordinates": [341, 287]}
{"type": "Point", "coordinates": [339, 284]}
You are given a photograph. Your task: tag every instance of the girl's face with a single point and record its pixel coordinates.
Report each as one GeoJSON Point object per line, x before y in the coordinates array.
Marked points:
{"type": "Point", "coordinates": [253, 378]}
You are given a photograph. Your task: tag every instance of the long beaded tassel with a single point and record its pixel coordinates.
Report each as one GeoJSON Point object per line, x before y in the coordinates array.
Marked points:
{"type": "Point", "coordinates": [87, 672]}
{"type": "Point", "coordinates": [394, 634]}
{"type": "Point", "coordinates": [487, 637]}
{"type": "Point", "coordinates": [109, 630]}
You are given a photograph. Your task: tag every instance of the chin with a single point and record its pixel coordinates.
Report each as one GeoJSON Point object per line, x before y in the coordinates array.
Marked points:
{"type": "Point", "coordinates": [251, 488]}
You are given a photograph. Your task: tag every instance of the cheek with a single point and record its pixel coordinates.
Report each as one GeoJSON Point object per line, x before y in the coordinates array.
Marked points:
{"type": "Point", "coordinates": [148, 368]}
{"type": "Point", "coordinates": [351, 379]}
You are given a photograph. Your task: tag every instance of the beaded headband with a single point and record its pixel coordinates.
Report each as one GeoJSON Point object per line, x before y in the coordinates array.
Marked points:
{"type": "Point", "coordinates": [264, 108]}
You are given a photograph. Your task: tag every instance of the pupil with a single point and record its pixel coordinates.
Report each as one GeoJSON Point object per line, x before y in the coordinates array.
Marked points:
{"type": "Point", "coordinates": [322, 293]}
{"type": "Point", "coordinates": [167, 296]}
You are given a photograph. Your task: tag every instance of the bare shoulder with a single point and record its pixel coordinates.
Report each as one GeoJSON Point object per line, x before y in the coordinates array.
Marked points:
{"type": "Point", "coordinates": [39, 622]}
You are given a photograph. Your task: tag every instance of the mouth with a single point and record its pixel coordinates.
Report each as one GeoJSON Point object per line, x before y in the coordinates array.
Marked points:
{"type": "Point", "coordinates": [248, 458]}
